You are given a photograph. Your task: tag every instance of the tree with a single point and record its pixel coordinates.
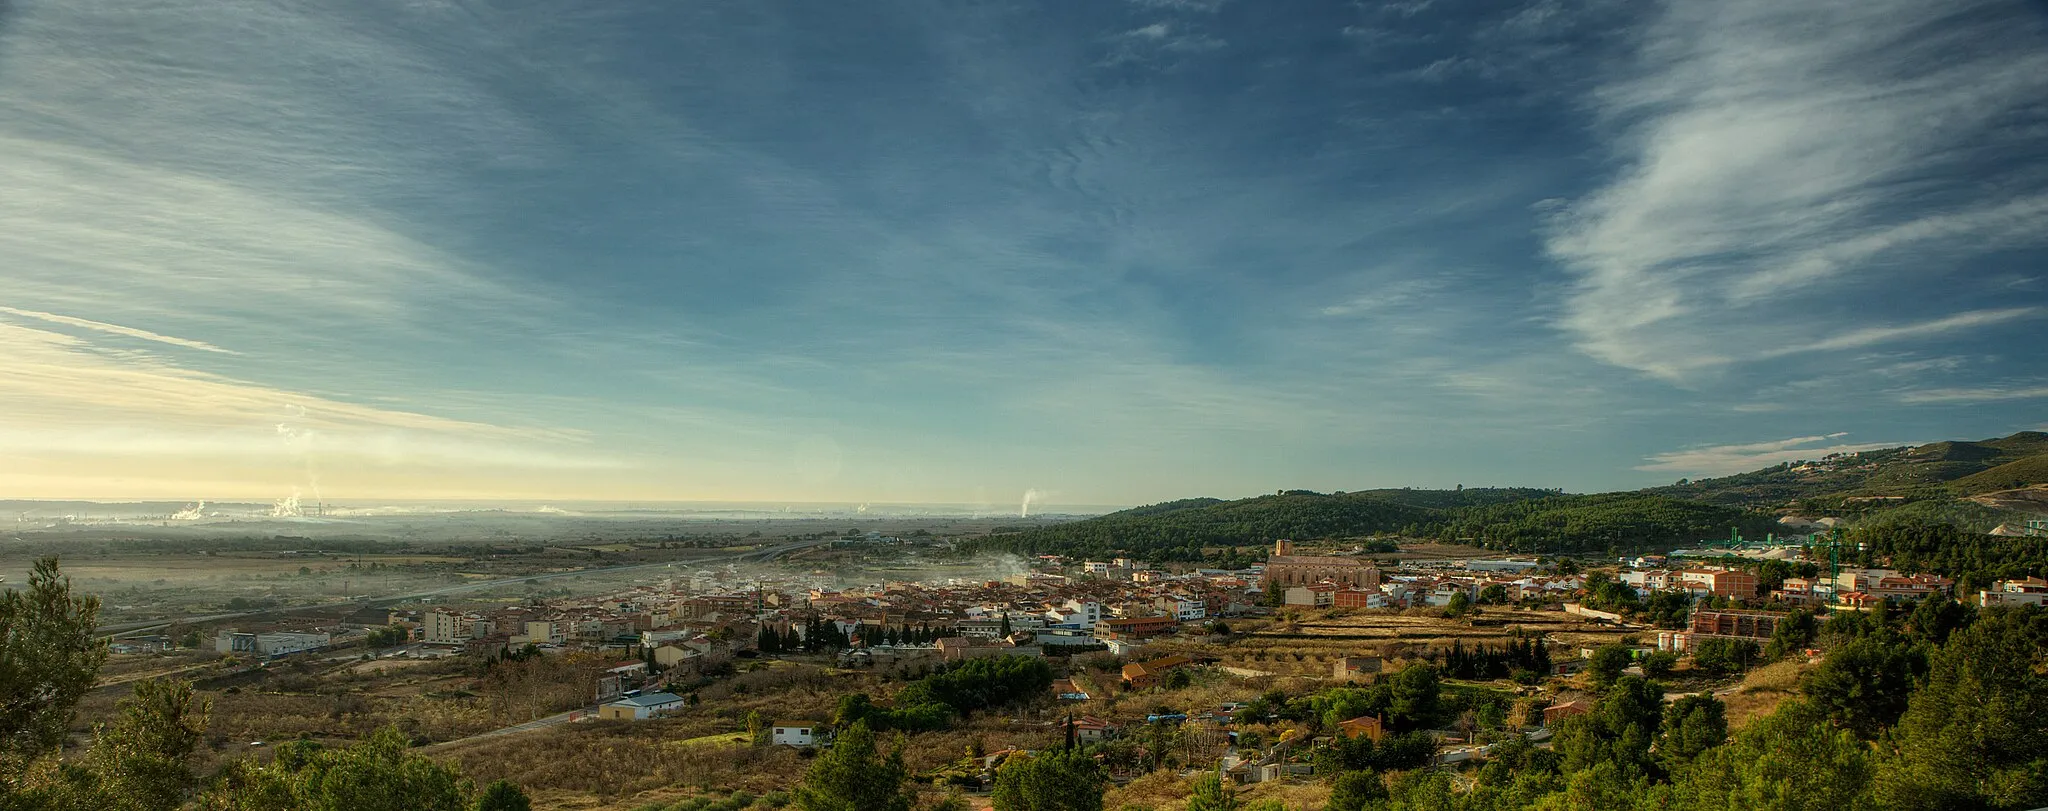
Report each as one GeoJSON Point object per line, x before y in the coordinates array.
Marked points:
{"type": "Point", "coordinates": [1976, 736]}
{"type": "Point", "coordinates": [1720, 655]}
{"type": "Point", "coordinates": [503, 795]}
{"type": "Point", "coordinates": [1354, 791]}
{"type": "Point", "coordinates": [378, 774]}
{"type": "Point", "coordinates": [1619, 730]}
{"type": "Point", "coordinates": [1211, 793]}
{"type": "Point", "coordinates": [1692, 725]}
{"type": "Point", "coordinates": [1062, 780]}
{"type": "Point", "coordinates": [140, 762]}
{"type": "Point", "coordinates": [1607, 663]}
{"type": "Point", "coordinates": [49, 657]}
{"type": "Point", "coordinates": [1459, 604]}
{"type": "Point", "coordinates": [755, 726]}
{"type": "Point", "coordinates": [1791, 760]}
{"type": "Point", "coordinates": [1864, 685]}
{"type": "Point", "coordinates": [852, 776]}
{"type": "Point", "coordinates": [1275, 596]}
{"type": "Point", "coordinates": [1660, 664]}
{"type": "Point", "coordinates": [1414, 698]}
{"type": "Point", "coordinates": [1794, 633]}
{"type": "Point", "coordinates": [1493, 594]}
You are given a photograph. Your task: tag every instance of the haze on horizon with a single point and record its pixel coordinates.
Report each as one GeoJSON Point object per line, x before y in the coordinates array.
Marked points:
{"type": "Point", "coordinates": [1116, 253]}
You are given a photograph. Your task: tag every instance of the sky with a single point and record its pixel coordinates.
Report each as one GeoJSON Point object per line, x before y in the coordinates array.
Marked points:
{"type": "Point", "coordinates": [1113, 252]}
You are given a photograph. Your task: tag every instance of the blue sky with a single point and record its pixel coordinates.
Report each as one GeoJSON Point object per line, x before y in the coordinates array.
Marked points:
{"type": "Point", "coordinates": [1116, 251]}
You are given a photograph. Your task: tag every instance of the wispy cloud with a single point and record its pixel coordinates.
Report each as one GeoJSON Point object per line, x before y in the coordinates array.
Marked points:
{"type": "Point", "coordinates": [1723, 460]}
{"type": "Point", "coordinates": [116, 329]}
{"type": "Point", "coordinates": [1964, 396]}
{"type": "Point", "coordinates": [1868, 336]}
{"type": "Point", "coordinates": [1766, 150]}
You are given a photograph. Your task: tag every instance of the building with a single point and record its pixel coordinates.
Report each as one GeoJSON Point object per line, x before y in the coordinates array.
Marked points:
{"type": "Point", "coordinates": [1183, 609]}
{"type": "Point", "coordinates": [794, 733]}
{"type": "Point", "coordinates": [1151, 674]}
{"type": "Point", "coordinates": [641, 707]}
{"type": "Point", "coordinates": [1289, 569]}
{"type": "Point", "coordinates": [487, 646]}
{"type": "Point", "coordinates": [1359, 598]}
{"type": "Point", "coordinates": [1366, 725]}
{"type": "Point", "coordinates": [1314, 595]}
{"type": "Point", "coordinates": [2025, 591]}
{"type": "Point", "coordinates": [1720, 582]}
{"type": "Point", "coordinates": [1089, 729]}
{"type": "Point", "coordinates": [1351, 667]}
{"type": "Point", "coordinates": [668, 656]}
{"type": "Point", "coordinates": [1135, 627]}
{"type": "Point", "coordinates": [1558, 712]}
{"type": "Point", "coordinates": [1744, 624]}
{"type": "Point", "coordinates": [276, 643]}
{"type": "Point", "coordinates": [443, 628]}
{"type": "Point", "coordinates": [1910, 587]}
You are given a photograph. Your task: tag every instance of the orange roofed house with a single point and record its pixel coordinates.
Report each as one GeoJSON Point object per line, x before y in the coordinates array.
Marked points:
{"type": "Point", "coordinates": [1366, 725]}
{"type": "Point", "coordinates": [1150, 674]}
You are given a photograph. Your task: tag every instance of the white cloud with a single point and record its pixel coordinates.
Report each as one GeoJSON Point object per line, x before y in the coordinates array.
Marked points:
{"type": "Point", "coordinates": [1960, 396]}
{"type": "Point", "coordinates": [1723, 460]}
{"type": "Point", "coordinates": [1770, 149]}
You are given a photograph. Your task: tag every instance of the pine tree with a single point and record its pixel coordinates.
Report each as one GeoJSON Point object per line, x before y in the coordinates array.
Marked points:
{"type": "Point", "coordinates": [852, 776]}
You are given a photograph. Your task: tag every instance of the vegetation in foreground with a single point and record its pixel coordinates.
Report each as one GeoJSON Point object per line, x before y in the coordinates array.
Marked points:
{"type": "Point", "coordinates": [1941, 707]}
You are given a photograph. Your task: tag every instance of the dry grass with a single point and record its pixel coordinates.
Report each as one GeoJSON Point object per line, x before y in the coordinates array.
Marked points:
{"type": "Point", "coordinates": [1762, 690]}
{"type": "Point", "coordinates": [1307, 643]}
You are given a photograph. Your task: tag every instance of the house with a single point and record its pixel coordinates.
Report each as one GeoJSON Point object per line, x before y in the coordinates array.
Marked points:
{"type": "Point", "coordinates": [1351, 667]}
{"type": "Point", "coordinates": [1911, 587]}
{"type": "Point", "coordinates": [1318, 595]}
{"type": "Point", "coordinates": [487, 646]}
{"type": "Point", "coordinates": [1067, 690]}
{"type": "Point", "coordinates": [668, 656]}
{"type": "Point", "coordinates": [641, 707]}
{"type": "Point", "coordinates": [1150, 674]}
{"type": "Point", "coordinates": [794, 733]}
{"type": "Point", "coordinates": [2025, 591]}
{"type": "Point", "coordinates": [1366, 725]}
{"type": "Point", "coordinates": [1090, 729]}
{"type": "Point", "coordinates": [1558, 712]}
{"type": "Point", "coordinates": [1358, 598]}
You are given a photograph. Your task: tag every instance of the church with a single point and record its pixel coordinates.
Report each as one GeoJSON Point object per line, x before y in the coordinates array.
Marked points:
{"type": "Point", "coordinates": [1289, 569]}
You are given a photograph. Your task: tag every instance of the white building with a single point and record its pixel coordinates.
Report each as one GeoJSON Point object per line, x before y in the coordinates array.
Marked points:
{"type": "Point", "coordinates": [1184, 609]}
{"type": "Point", "coordinates": [443, 628]}
{"type": "Point", "coordinates": [2029, 591]}
{"type": "Point", "coordinates": [1076, 614]}
{"type": "Point", "coordinates": [794, 733]}
{"type": "Point", "coordinates": [277, 643]}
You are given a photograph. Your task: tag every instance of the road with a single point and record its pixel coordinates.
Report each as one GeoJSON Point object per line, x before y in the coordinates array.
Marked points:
{"type": "Point", "coordinates": [542, 723]}
{"type": "Point", "coordinates": [767, 553]}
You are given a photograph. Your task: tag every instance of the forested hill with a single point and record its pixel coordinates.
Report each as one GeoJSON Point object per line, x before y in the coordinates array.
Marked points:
{"type": "Point", "coordinates": [1511, 519]}
{"type": "Point", "coordinates": [1932, 471]}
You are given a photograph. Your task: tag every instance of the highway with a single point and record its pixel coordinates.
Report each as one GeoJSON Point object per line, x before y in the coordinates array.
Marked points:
{"type": "Point", "coordinates": [767, 553]}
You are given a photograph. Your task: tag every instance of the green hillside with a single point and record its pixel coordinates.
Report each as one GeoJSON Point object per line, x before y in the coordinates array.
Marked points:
{"type": "Point", "coordinates": [2009, 476]}
{"type": "Point", "coordinates": [1938, 470]}
{"type": "Point", "coordinates": [1921, 485]}
{"type": "Point", "coordinates": [1515, 519]}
